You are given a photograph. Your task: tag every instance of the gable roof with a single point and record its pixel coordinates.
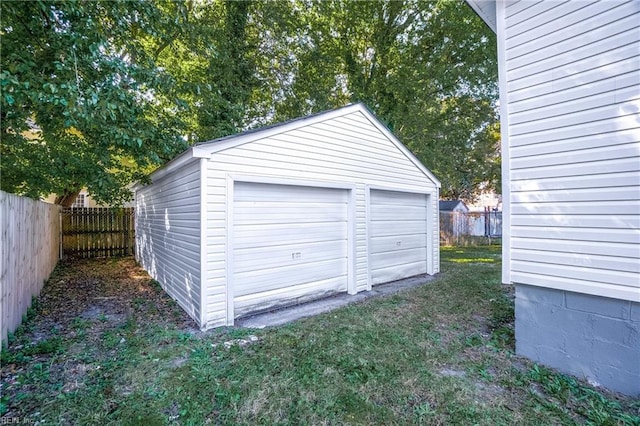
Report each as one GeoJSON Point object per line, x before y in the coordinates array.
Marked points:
{"type": "Point", "coordinates": [206, 149]}
{"type": "Point", "coordinates": [450, 205]}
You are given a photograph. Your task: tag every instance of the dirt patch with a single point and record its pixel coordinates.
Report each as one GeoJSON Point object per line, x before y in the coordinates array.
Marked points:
{"type": "Point", "coordinates": [448, 372]}
{"type": "Point", "coordinates": [83, 303]}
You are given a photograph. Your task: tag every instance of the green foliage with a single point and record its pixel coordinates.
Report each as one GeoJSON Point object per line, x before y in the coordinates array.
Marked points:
{"type": "Point", "coordinates": [48, 346]}
{"type": "Point", "coordinates": [592, 405]}
{"type": "Point", "coordinates": [97, 94]}
{"type": "Point", "coordinates": [83, 103]}
{"type": "Point", "coordinates": [428, 69]}
{"type": "Point", "coordinates": [501, 322]}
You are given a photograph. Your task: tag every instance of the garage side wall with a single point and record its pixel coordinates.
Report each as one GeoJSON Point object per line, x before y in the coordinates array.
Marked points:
{"type": "Point", "coordinates": [347, 149]}
{"type": "Point", "coordinates": [168, 235]}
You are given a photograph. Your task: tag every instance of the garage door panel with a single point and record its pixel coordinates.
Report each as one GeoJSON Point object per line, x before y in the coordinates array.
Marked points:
{"type": "Point", "coordinates": [390, 243]}
{"type": "Point", "coordinates": [259, 192]}
{"type": "Point", "coordinates": [290, 206]}
{"type": "Point", "coordinates": [273, 235]}
{"type": "Point", "coordinates": [400, 257]}
{"type": "Point", "coordinates": [250, 259]}
{"type": "Point", "coordinates": [397, 198]}
{"type": "Point", "coordinates": [287, 295]}
{"type": "Point", "coordinates": [286, 276]}
{"type": "Point", "coordinates": [289, 244]}
{"type": "Point", "coordinates": [319, 213]}
{"type": "Point", "coordinates": [385, 228]}
{"type": "Point", "coordinates": [390, 212]}
{"type": "Point", "coordinates": [385, 275]}
{"type": "Point", "coordinates": [397, 235]}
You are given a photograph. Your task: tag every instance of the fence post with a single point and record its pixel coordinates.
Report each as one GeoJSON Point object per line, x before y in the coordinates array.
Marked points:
{"type": "Point", "coordinates": [60, 234]}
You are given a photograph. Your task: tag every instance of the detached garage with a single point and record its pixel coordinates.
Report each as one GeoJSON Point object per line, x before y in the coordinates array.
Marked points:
{"type": "Point", "coordinates": [293, 212]}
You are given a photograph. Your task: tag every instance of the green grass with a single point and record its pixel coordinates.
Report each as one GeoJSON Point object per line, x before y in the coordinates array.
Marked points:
{"type": "Point", "coordinates": [438, 354]}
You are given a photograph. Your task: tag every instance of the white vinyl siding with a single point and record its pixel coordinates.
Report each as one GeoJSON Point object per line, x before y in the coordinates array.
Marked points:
{"type": "Point", "coordinates": [290, 244]}
{"type": "Point", "coordinates": [344, 149]}
{"type": "Point", "coordinates": [168, 234]}
{"type": "Point", "coordinates": [571, 91]}
{"type": "Point", "coordinates": [398, 235]}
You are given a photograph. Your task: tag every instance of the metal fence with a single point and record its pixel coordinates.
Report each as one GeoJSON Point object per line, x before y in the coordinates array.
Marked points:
{"type": "Point", "coordinates": [96, 232]}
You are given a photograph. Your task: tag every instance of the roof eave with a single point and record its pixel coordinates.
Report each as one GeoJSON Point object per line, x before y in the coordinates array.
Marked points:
{"type": "Point", "coordinates": [180, 161]}
{"type": "Point", "coordinates": [486, 10]}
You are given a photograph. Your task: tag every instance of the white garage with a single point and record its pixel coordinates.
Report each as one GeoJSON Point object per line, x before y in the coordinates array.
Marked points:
{"type": "Point", "coordinates": [321, 205]}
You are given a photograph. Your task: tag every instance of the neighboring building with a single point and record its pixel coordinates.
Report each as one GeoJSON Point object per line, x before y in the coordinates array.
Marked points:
{"type": "Point", "coordinates": [570, 102]}
{"type": "Point", "coordinates": [324, 204]}
{"type": "Point", "coordinates": [82, 200]}
{"type": "Point", "coordinates": [453, 220]}
{"type": "Point", "coordinates": [453, 206]}
{"type": "Point", "coordinates": [486, 201]}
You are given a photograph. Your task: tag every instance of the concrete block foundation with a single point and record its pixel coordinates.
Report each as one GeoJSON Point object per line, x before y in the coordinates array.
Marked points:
{"type": "Point", "coordinates": [591, 337]}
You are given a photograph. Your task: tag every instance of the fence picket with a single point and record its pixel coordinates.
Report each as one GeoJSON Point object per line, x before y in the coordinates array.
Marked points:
{"type": "Point", "coordinates": [454, 225]}
{"type": "Point", "coordinates": [28, 253]}
{"type": "Point", "coordinates": [97, 231]}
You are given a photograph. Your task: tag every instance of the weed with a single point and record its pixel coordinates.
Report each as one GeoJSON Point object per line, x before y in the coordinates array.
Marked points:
{"type": "Point", "coordinates": [424, 411]}
{"type": "Point", "coordinates": [591, 404]}
{"type": "Point", "coordinates": [501, 322]}
{"type": "Point", "coordinates": [49, 346]}
{"type": "Point", "coordinates": [79, 324]}
{"type": "Point", "coordinates": [474, 339]}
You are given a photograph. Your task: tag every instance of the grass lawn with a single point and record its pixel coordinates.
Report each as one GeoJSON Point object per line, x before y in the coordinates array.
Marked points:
{"type": "Point", "coordinates": [104, 345]}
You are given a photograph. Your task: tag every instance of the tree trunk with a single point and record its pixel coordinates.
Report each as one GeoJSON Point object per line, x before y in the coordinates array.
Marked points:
{"type": "Point", "coordinates": [67, 199]}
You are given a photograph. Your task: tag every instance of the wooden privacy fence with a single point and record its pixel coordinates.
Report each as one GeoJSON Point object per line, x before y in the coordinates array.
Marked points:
{"type": "Point", "coordinates": [29, 252]}
{"type": "Point", "coordinates": [97, 232]}
{"type": "Point", "coordinates": [457, 224]}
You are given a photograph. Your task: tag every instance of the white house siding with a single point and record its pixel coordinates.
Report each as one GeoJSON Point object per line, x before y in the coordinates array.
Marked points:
{"type": "Point", "coordinates": [168, 234]}
{"type": "Point", "coordinates": [570, 88]}
{"type": "Point", "coordinates": [347, 149]}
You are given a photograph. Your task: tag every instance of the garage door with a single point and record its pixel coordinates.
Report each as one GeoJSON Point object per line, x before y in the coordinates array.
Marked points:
{"type": "Point", "coordinates": [289, 244]}
{"type": "Point", "coordinates": [397, 235]}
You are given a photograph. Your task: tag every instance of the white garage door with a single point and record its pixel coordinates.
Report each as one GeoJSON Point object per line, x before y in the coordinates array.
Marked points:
{"type": "Point", "coordinates": [289, 244]}
{"type": "Point", "coordinates": [398, 235]}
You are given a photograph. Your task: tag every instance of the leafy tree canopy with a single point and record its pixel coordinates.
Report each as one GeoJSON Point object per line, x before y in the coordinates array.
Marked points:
{"type": "Point", "coordinates": [96, 94]}
{"type": "Point", "coordinates": [83, 103]}
{"type": "Point", "coordinates": [426, 68]}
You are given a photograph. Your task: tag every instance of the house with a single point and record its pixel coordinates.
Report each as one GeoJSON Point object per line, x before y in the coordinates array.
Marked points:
{"type": "Point", "coordinates": [297, 211]}
{"type": "Point", "coordinates": [570, 100]}
{"type": "Point", "coordinates": [83, 199]}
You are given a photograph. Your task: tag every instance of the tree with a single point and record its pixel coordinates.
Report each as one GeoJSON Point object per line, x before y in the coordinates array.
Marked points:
{"type": "Point", "coordinates": [97, 93]}
{"type": "Point", "coordinates": [83, 102]}
{"type": "Point", "coordinates": [210, 57]}
{"type": "Point", "coordinates": [428, 69]}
